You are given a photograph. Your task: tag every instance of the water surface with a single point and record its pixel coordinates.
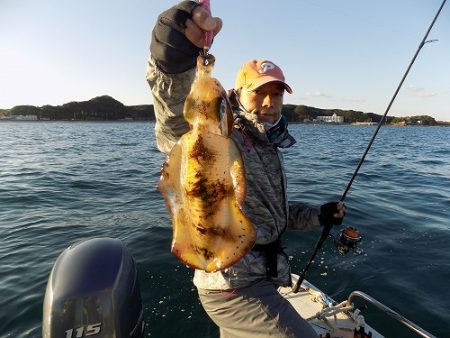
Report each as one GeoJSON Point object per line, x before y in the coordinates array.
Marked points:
{"type": "Point", "coordinates": [61, 182]}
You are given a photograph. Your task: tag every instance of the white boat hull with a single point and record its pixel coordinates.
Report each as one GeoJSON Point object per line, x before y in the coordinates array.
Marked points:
{"type": "Point", "coordinates": [310, 301]}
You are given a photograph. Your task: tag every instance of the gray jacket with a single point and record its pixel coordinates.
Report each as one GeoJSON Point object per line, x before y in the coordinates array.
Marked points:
{"type": "Point", "coordinates": [266, 202]}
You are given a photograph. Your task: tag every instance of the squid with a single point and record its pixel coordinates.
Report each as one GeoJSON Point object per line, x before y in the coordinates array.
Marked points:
{"type": "Point", "coordinates": [203, 181]}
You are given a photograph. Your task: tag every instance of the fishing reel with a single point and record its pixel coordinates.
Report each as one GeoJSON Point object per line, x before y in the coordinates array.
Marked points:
{"type": "Point", "coordinates": [348, 240]}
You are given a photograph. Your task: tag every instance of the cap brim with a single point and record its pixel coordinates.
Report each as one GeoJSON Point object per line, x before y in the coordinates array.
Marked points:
{"type": "Point", "coordinates": [267, 79]}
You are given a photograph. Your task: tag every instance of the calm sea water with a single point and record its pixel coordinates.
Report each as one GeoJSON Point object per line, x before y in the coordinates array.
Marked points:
{"type": "Point", "coordinates": [61, 182]}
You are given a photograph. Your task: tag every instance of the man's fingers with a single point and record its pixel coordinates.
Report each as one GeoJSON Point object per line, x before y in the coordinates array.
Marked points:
{"type": "Point", "coordinates": [203, 19]}
{"type": "Point", "coordinates": [339, 214]}
{"type": "Point", "coordinates": [195, 32]}
{"type": "Point", "coordinates": [218, 26]}
{"type": "Point", "coordinates": [341, 210]}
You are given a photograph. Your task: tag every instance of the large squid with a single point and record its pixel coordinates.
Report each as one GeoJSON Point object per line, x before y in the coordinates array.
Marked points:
{"type": "Point", "coordinates": [203, 181]}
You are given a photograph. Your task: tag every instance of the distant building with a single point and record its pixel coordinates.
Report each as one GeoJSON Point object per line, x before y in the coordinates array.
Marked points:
{"type": "Point", "coordinates": [368, 123]}
{"type": "Point", "coordinates": [26, 117]}
{"type": "Point", "coordinates": [331, 119]}
{"type": "Point", "coordinates": [19, 117]}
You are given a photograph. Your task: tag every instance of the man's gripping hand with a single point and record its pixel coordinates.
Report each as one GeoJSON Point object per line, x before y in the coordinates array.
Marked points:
{"type": "Point", "coordinates": [178, 36]}
{"type": "Point", "coordinates": [332, 213]}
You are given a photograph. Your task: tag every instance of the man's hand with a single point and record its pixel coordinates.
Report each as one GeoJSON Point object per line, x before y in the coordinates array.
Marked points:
{"type": "Point", "coordinates": [178, 36]}
{"type": "Point", "coordinates": [201, 21]}
{"type": "Point", "coordinates": [332, 213]}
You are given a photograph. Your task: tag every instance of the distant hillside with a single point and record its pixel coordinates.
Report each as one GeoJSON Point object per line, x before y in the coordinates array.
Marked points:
{"type": "Point", "coordinates": [105, 107]}
{"type": "Point", "coordinates": [306, 113]}
{"type": "Point", "coordinates": [98, 108]}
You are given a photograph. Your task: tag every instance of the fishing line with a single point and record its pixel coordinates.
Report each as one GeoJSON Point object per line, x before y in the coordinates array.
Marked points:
{"type": "Point", "coordinates": [327, 228]}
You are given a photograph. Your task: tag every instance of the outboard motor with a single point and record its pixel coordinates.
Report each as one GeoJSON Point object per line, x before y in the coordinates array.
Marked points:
{"type": "Point", "coordinates": [93, 292]}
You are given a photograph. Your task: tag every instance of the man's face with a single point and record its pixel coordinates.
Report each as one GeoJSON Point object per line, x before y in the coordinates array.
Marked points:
{"type": "Point", "coordinates": [266, 101]}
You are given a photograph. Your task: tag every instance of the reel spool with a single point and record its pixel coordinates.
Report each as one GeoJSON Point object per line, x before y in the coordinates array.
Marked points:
{"type": "Point", "coordinates": [348, 240]}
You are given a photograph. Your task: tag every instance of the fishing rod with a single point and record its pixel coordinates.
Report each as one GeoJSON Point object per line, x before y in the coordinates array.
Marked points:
{"type": "Point", "coordinates": [327, 227]}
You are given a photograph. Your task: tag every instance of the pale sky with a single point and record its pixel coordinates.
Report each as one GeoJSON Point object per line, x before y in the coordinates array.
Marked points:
{"type": "Point", "coordinates": [344, 54]}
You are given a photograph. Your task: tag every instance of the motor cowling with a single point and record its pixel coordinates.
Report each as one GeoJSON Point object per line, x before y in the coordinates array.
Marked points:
{"type": "Point", "coordinates": [93, 291]}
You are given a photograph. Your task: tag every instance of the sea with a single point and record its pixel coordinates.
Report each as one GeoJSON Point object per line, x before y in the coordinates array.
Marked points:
{"type": "Point", "coordinates": [64, 182]}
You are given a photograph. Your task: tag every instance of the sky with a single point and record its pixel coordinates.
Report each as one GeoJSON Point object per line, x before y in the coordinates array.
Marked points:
{"type": "Point", "coordinates": [343, 54]}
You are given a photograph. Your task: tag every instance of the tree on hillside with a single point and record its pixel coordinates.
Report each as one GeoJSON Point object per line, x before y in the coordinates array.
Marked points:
{"type": "Point", "coordinates": [424, 120]}
{"type": "Point", "coordinates": [289, 112]}
{"type": "Point", "coordinates": [24, 110]}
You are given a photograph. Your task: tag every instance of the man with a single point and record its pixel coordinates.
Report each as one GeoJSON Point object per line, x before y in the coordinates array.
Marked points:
{"type": "Point", "coordinates": [242, 300]}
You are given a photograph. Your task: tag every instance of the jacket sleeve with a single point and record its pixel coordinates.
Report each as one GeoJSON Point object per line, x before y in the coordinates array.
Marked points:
{"type": "Point", "coordinates": [302, 216]}
{"type": "Point", "coordinates": [169, 92]}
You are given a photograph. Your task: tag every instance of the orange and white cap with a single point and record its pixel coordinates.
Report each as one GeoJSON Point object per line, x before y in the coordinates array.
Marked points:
{"type": "Point", "coordinates": [256, 73]}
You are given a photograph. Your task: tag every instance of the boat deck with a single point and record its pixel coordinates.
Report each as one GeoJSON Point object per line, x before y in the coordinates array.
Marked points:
{"type": "Point", "coordinates": [310, 301]}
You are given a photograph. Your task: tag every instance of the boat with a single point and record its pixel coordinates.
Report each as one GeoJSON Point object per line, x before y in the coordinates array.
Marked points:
{"type": "Point", "coordinates": [93, 290]}
{"type": "Point", "coordinates": [339, 320]}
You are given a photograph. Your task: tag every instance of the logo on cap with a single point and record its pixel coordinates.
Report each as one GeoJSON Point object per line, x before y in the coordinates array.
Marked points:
{"type": "Point", "coordinates": [265, 67]}
{"type": "Point", "coordinates": [256, 73]}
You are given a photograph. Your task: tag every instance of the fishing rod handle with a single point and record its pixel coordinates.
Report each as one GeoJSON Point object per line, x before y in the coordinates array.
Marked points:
{"type": "Point", "coordinates": [325, 232]}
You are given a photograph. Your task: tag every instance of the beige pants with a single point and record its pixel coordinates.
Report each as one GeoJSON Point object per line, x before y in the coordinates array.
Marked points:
{"type": "Point", "coordinates": [256, 311]}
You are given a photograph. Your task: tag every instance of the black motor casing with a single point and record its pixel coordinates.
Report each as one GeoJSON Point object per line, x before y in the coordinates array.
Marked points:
{"type": "Point", "coordinates": [93, 291]}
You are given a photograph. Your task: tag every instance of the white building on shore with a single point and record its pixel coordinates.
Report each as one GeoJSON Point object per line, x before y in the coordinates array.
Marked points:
{"type": "Point", "coordinates": [331, 119]}
{"type": "Point", "coordinates": [29, 117]}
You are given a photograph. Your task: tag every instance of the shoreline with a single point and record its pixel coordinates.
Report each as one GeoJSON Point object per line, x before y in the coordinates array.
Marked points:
{"type": "Point", "coordinates": [445, 124]}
